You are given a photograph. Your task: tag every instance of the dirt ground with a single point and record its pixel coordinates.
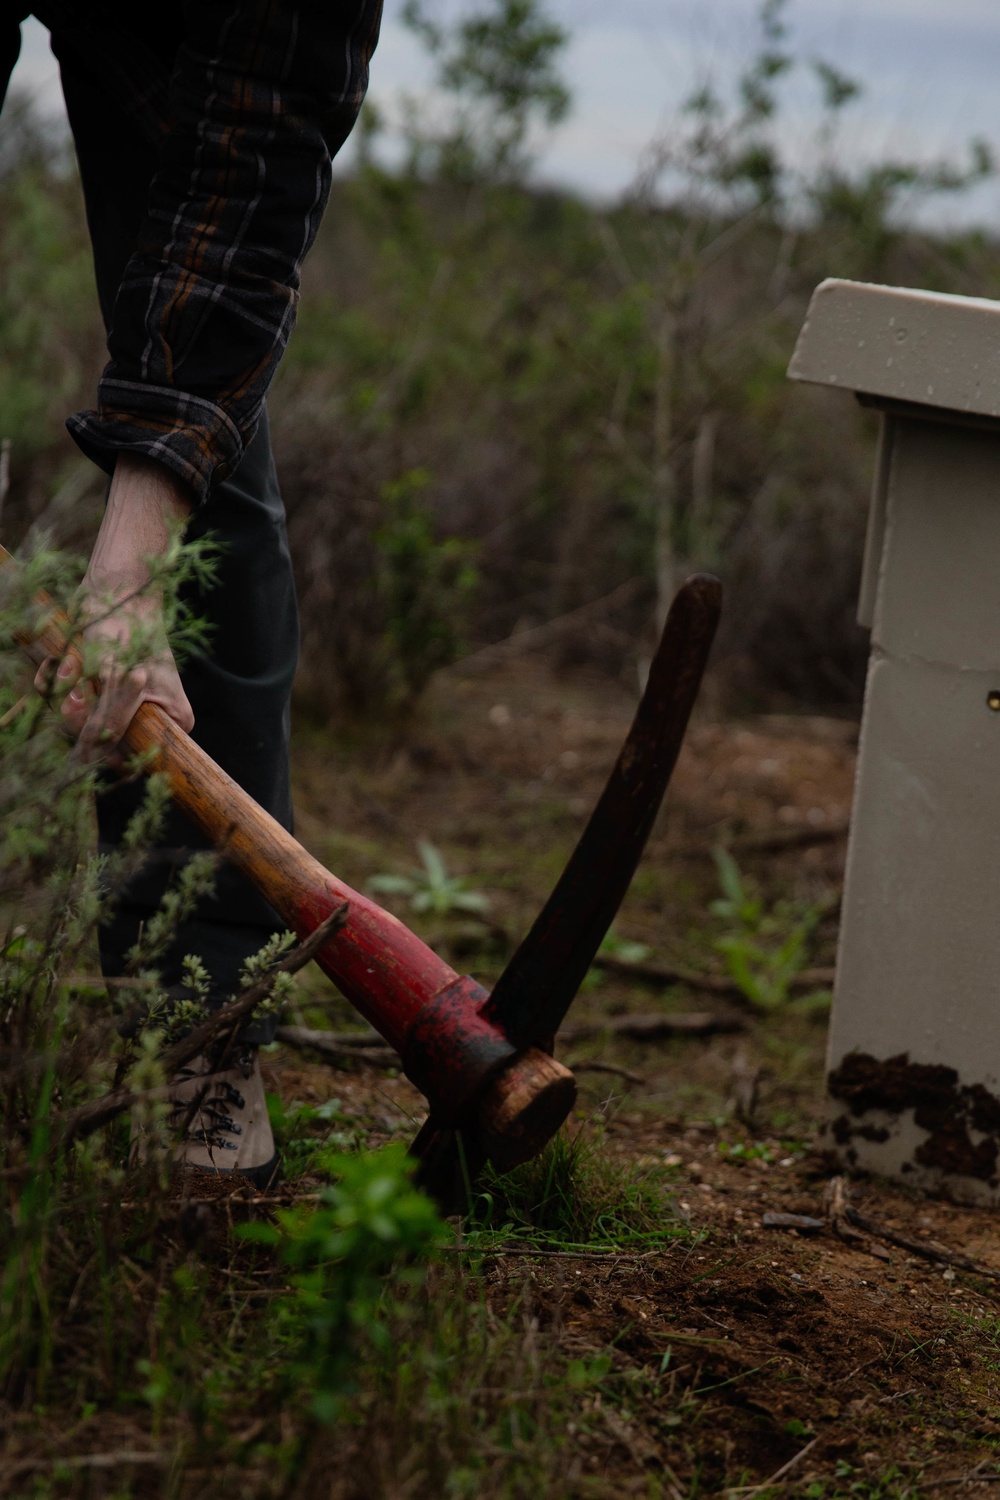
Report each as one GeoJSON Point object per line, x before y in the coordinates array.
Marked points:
{"type": "Point", "coordinates": [827, 1367]}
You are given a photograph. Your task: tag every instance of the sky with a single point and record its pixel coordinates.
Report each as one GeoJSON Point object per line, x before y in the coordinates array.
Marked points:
{"type": "Point", "coordinates": [929, 70]}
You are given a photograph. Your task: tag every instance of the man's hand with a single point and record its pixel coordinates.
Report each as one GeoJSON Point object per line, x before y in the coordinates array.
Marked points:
{"type": "Point", "coordinates": [145, 498]}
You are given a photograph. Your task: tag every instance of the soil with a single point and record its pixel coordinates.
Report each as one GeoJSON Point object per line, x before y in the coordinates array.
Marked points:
{"type": "Point", "coordinates": [876, 1371]}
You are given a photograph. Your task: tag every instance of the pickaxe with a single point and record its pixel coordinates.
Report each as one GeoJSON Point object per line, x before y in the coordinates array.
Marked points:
{"type": "Point", "coordinates": [482, 1059]}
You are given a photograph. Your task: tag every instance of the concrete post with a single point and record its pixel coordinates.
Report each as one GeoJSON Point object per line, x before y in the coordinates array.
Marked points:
{"type": "Point", "coordinates": [914, 1048]}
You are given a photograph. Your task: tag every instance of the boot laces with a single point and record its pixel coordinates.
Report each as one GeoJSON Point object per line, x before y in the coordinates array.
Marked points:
{"type": "Point", "coordinates": [214, 1111]}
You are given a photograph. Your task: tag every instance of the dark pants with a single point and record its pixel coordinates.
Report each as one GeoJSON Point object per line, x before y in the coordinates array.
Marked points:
{"type": "Point", "coordinates": [239, 687]}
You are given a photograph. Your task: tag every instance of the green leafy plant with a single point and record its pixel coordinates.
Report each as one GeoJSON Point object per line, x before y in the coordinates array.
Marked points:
{"type": "Point", "coordinates": [66, 1038]}
{"type": "Point", "coordinates": [763, 949]}
{"type": "Point", "coordinates": [369, 1221]}
{"type": "Point", "coordinates": [741, 1151]}
{"type": "Point", "coordinates": [310, 1137]}
{"type": "Point", "coordinates": [431, 889]}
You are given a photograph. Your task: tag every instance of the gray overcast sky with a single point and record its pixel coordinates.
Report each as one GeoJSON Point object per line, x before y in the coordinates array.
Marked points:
{"type": "Point", "coordinates": [930, 70]}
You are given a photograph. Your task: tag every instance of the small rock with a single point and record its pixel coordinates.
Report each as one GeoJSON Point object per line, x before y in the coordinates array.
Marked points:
{"type": "Point", "coordinates": [801, 1222]}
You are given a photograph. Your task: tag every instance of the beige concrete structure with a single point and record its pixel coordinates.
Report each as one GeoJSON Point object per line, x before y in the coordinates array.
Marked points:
{"type": "Point", "coordinates": [914, 1051]}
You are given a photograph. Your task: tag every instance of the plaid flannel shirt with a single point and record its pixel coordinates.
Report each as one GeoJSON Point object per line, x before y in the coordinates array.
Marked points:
{"type": "Point", "coordinates": [262, 95]}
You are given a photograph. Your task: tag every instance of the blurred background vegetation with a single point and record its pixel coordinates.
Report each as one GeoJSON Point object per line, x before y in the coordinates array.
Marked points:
{"type": "Point", "coordinates": [505, 405]}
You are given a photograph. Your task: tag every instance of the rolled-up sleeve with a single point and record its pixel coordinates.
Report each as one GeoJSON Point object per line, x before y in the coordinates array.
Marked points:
{"type": "Point", "coordinates": [263, 96]}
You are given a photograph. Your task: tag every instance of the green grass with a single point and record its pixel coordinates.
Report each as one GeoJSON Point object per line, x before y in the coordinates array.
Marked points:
{"type": "Point", "coordinates": [574, 1196]}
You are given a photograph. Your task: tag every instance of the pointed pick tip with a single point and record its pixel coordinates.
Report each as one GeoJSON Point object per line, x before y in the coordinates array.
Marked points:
{"type": "Point", "coordinates": [705, 586]}
{"type": "Point", "coordinates": [696, 607]}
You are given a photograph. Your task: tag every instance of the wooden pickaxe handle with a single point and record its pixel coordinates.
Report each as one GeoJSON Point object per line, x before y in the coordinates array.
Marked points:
{"type": "Point", "coordinates": [472, 1075]}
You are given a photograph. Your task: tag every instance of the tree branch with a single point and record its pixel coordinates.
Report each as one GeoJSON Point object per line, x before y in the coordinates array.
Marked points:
{"type": "Point", "coordinates": [87, 1118]}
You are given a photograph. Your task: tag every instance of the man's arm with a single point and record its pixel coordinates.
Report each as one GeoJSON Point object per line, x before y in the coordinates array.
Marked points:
{"type": "Point", "coordinates": [145, 501]}
{"type": "Point", "coordinates": [262, 96]}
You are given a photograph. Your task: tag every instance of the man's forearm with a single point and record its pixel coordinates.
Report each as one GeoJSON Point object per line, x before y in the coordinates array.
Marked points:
{"type": "Point", "coordinates": [144, 503]}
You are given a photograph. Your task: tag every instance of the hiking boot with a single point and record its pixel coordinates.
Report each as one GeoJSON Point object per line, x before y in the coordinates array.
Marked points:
{"type": "Point", "coordinates": [222, 1119]}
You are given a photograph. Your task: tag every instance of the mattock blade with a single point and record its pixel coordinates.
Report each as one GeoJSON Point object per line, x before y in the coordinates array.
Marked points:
{"type": "Point", "coordinates": [530, 999]}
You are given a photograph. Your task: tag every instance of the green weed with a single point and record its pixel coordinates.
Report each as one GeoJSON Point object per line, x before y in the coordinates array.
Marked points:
{"type": "Point", "coordinates": [64, 1039]}
{"type": "Point", "coordinates": [471, 1400]}
{"type": "Point", "coordinates": [340, 1254]}
{"type": "Point", "coordinates": [310, 1137]}
{"type": "Point", "coordinates": [764, 948]}
{"type": "Point", "coordinates": [431, 889]}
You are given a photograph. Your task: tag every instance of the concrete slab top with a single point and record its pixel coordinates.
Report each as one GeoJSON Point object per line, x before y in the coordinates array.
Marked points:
{"type": "Point", "coordinates": [929, 348]}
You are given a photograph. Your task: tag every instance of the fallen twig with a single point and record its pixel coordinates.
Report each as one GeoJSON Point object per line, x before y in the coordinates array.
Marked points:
{"type": "Point", "coordinates": [89, 1461]}
{"type": "Point", "coordinates": [590, 1065]}
{"type": "Point", "coordinates": [340, 1047]}
{"type": "Point", "coordinates": [87, 1118]}
{"type": "Point", "coordinates": [712, 984]}
{"type": "Point", "coordinates": [652, 1028]}
{"type": "Point", "coordinates": [237, 1197]}
{"type": "Point", "coordinates": [973, 1477]}
{"type": "Point", "coordinates": [553, 1254]}
{"type": "Point", "coordinates": [941, 1257]}
{"type": "Point", "coordinates": [359, 1039]}
{"type": "Point", "coordinates": [850, 1224]}
{"type": "Point", "coordinates": [802, 1222]}
{"type": "Point", "coordinates": [835, 1202]}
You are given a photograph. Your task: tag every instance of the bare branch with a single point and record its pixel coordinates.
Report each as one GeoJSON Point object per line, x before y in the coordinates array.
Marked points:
{"type": "Point", "coordinates": [87, 1118]}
